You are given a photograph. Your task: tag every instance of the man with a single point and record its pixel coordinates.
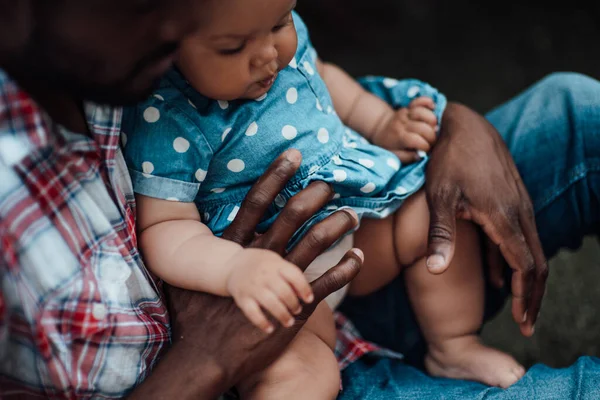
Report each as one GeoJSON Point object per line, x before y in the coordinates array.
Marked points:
{"type": "Point", "coordinates": [80, 317]}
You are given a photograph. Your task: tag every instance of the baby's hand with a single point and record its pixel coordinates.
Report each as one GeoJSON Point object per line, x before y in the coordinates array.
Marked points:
{"type": "Point", "coordinates": [411, 131]}
{"type": "Point", "coordinates": [265, 281]}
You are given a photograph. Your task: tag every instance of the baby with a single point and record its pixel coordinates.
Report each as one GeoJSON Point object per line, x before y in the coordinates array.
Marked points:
{"type": "Point", "coordinates": [248, 86]}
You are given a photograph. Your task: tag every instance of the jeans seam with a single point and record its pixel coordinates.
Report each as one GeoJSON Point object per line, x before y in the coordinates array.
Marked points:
{"type": "Point", "coordinates": [578, 176]}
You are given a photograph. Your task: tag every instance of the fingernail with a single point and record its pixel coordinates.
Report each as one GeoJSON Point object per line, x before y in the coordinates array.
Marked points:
{"type": "Point", "coordinates": [298, 310]}
{"type": "Point", "coordinates": [309, 298]}
{"type": "Point", "coordinates": [352, 213]}
{"type": "Point", "coordinates": [269, 329]}
{"type": "Point", "coordinates": [293, 155]}
{"type": "Point", "coordinates": [525, 317]}
{"type": "Point", "coordinates": [421, 154]}
{"type": "Point", "coordinates": [289, 323]}
{"type": "Point", "coordinates": [435, 261]}
{"type": "Point", "coordinates": [533, 329]}
{"type": "Point", "coordinates": [359, 254]}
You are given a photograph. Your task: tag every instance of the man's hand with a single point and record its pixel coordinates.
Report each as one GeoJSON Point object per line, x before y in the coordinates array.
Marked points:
{"type": "Point", "coordinates": [213, 329]}
{"type": "Point", "coordinates": [471, 175]}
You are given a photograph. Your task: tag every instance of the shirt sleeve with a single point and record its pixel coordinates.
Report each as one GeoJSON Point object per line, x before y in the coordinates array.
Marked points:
{"type": "Point", "coordinates": [399, 93]}
{"type": "Point", "coordinates": [166, 152]}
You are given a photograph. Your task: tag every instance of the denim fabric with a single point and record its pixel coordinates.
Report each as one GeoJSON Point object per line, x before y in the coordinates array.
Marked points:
{"type": "Point", "coordinates": [553, 132]}
{"type": "Point", "coordinates": [182, 146]}
{"type": "Point", "coordinates": [386, 379]}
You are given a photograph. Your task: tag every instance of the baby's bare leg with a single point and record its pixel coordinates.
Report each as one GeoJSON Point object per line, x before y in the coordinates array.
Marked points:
{"type": "Point", "coordinates": [307, 370]}
{"type": "Point", "coordinates": [449, 307]}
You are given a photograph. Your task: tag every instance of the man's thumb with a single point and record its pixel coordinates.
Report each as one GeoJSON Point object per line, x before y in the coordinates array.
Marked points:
{"type": "Point", "coordinates": [442, 237]}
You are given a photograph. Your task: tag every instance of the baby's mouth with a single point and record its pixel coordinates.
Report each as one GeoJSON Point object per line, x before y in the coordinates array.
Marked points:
{"type": "Point", "coordinates": [265, 83]}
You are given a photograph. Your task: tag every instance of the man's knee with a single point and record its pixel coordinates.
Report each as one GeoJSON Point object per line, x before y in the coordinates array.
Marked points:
{"type": "Point", "coordinates": [573, 100]}
{"type": "Point", "coordinates": [578, 89]}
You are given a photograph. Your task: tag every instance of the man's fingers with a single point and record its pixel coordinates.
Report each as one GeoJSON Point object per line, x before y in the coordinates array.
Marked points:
{"type": "Point", "coordinates": [296, 212]}
{"type": "Point", "coordinates": [495, 263]}
{"type": "Point", "coordinates": [540, 274]}
{"type": "Point", "coordinates": [260, 197]}
{"type": "Point", "coordinates": [517, 254]}
{"type": "Point", "coordinates": [443, 204]}
{"type": "Point", "coordinates": [519, 298]}
{"type": "Point", "coordinates": [321, 236]}
{"type": "Point", "coordinates": [336, 278]}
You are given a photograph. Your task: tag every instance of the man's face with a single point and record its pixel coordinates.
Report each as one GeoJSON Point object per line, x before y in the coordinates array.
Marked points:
{"type": "Point", "coordinates": [110, 51]}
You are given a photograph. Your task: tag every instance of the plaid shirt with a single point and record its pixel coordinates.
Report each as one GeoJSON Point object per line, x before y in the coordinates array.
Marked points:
{"type": "Point", "coordinates": [80, 316]}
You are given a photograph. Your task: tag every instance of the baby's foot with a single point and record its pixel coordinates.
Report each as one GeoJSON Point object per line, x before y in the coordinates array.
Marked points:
{"type": "Point", "coordinates": [467, 358]}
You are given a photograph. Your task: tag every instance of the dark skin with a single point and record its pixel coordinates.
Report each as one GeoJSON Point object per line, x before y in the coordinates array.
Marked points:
{"type": "Point", "coordinates": [112, 51]}
{"type": "Point", "coordinates": [231, 347]}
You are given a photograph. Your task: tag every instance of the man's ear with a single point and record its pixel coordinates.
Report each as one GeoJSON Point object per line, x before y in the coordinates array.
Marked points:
{"type": "Point", "coordinates": [16, 25]}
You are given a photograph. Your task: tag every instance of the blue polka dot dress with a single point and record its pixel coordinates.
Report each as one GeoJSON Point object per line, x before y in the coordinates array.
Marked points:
{"type": "Point", "coordinates": [182, 146]}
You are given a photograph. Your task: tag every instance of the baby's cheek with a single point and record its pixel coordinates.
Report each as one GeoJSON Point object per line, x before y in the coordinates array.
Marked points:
{"type": "Point", "coordinates": [222, 84]}
{"type": "Point", "coordinates": [288, 47]}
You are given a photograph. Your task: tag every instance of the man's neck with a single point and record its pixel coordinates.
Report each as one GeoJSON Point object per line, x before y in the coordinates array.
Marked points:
{"type": "Point", "coordinates": [63, 108]}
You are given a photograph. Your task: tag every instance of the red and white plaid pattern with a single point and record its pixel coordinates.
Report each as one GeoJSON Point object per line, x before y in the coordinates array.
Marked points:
{"type": "Point", "coordinates": [79, 315]}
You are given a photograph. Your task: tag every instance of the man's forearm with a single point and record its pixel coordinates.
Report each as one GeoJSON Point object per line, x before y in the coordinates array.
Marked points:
{"type": "Point", "coordinates": [178, 375]}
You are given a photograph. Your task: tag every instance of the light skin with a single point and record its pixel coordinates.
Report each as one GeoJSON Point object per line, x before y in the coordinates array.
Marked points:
{"type": "Point", "coordinates": [237, 54]}
{"type": "Point", "coordinates": [230, 63]}
{"type": "Point", "coordinates": [113, 51]}
{"type": "Point", "coordinates": [88, 50]}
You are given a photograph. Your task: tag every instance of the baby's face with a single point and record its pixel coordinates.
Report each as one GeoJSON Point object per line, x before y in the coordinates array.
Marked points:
{"type": "Point", "coordinates": [239, 48]}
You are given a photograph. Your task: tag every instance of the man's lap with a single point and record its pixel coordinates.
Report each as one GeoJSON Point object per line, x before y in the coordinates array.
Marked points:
{"type": "Point", "coordinates": [553, 132]}
{"type": "Point", "coordinates": [371, 379]}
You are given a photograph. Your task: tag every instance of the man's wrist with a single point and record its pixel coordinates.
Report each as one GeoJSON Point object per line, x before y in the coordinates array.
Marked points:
{"type": "Point", "coordinates": [204, 375]}
{"type": "Point", "coordinates": [182, 373]}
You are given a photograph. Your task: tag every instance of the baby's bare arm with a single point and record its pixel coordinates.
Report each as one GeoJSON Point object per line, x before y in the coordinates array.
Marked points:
{"type": "Point", "coordinates": [180, 249]}
{"type": "Point", "coordinates": [357, 108]}
{"type": "Point", "coordinates": [184, 252]}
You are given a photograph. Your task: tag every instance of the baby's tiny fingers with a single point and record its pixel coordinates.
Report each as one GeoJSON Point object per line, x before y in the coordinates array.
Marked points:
{"type": "Point", "coordinates": [252, 311]}
{"type": "Point", "coordinates": [276, 308]}
{"type": "Point", "coordinates": [407, 156]}
{"type": "Point", "coordinates": [413, 141]}
{"type": "Point", "coordinates": [424, 131]}
{"type": "Point", "coordinates": [423, 101]}
{"type": "Point", "coordinates": [285, 292]}
{"type": "Point", "coordinates": [298, 281]}
{"type": "Point", "coordinates": [422, 114]}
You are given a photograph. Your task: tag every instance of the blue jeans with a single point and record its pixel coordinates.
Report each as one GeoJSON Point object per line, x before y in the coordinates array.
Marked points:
{"type": "Point", "coordinates": [553, 133]}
